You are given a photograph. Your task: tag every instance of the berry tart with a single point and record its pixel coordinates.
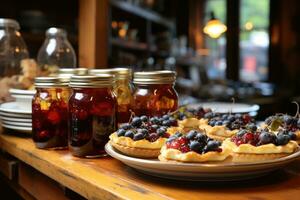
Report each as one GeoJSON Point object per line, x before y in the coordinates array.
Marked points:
{"type": "Point", "coordinates": [193, 147]}
{"type": "Point", "coordinates": [189, 118]}
{"type": "Point", "coordinates": [223, 126]}
{"type": "Point", "coordinates": [284, 123]}
{"type": "Point", "coordinates": [142, 137]}
{"type": "Point", "coordinates": [260, 145]}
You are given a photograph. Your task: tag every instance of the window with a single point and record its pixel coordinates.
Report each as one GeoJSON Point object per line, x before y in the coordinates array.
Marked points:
{"type": "Point", "coordinates": [216, 60]}
{"type": "Point", "coordinates": [254, 40]}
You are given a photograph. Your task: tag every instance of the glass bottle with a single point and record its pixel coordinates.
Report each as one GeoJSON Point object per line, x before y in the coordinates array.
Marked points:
{"type": "Point", "coordinates": [92, 114]}
{"type": "Point", "coordinates": [56, 52]}
{"type": "Point", "coordinates": [123, 90]}
{"type": "Point", "coordinates": [12, 48]}
{"type": "Point", "coordinates": [154, 93]}
{"type": "Point", "coordinates": [50, 112]}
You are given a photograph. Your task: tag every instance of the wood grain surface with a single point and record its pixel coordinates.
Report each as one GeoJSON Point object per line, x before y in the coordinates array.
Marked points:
{"type": "Point", "coordinates": [107, 178]}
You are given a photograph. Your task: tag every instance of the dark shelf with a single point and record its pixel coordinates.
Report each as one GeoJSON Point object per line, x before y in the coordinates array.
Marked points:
{"type": "Point", "coordinates": [129, 44]}
{"type": "Point", "coordinates": [142, 12]}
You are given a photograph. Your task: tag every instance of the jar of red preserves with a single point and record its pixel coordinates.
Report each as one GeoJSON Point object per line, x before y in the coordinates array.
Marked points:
{"type": "Point", "coordinates": [154, 93]}
{"type": "Point", "coordinates": [92, 114]}
{"type": "Point", "coordinates": [123, 90]}
{"type": "Point", "coordinates": [50, 112]}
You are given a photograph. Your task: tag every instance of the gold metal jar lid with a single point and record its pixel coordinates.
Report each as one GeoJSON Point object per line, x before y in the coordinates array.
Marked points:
{"type": "Point", "coordinates": [68, 72]}
{"type": "Point", "coordinates": [51, 82]}
{"type": "Point", "coordinates": [90, 81]}
{"type": "Point", "coordinates": [119, 73]}
{"type": "Point", "coordinates": [154, 77]}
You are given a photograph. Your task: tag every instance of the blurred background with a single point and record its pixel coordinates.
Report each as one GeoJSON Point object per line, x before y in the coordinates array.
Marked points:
{"type": "Point", "coordinates": [246, 49]}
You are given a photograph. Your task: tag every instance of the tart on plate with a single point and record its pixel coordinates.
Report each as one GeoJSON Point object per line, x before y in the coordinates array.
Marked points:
{"type": "Point", "coordinates": [195, 147]}
{"type": "Point", "coordinates": [142, 137]}
{"type": "Point", "coordinates": [260, 145]}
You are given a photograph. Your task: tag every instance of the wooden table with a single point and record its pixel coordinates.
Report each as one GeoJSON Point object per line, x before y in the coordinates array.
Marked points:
{"type": "Point", "coordinates": [107, 178]}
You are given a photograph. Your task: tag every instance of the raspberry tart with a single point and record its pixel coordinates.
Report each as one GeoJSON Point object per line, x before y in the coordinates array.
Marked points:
{"type": "Point", "coordinates": [194, 147]}
{"type": "Point", "coordinates": [223, 126]}
{"type": "Point", "coordinates": [259, 145]}
{"type": "Point", "coordinates": [143, 137]}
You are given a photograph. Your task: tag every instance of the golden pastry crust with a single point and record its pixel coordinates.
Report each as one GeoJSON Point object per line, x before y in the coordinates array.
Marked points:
{"type": "Point", "coordinates": [189, 124]}
{"type": "Point", "coordinates": [176, 155]}
{"type": "Point", "coordinates": [136, 152]}
{"type": "Point", "coordinates": [144, 144]}
{"type": "Point", "coordinates": [249, 157]}
{"type": "Point", "coordinates": [219, 133]}
{"type": "Point", "coordinates": [173, 129]}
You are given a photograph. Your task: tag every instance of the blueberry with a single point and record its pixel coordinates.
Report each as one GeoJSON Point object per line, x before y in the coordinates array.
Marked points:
{"type": "Point", "coordinates": [166, 123]}
{"type": "Point", "coordinates": [235, 126]}
{"type": "Point", "coordinates": [212, 145]}
{"type": "Point", "coordinates": [165, 117]}
{"type": "Point", "coordinates": [208, 115]}
{"type": "Point", "coordinates": [170, 139]}
{"type": "Point", "coordinates": [252, 127]}
{"type": "Point", "coordinates": [144, 118]}
{"type": "Point", "coordinates": [265, 138]}
{"type": "Point", "coordinates": [287, 119]}
{"type": "Point", "coordinates": [178, 134]}
{"type": "Point", "coordinates": [191, 134]}
{"type": "Point", "coordinates": [153, 137]}
{"type": "Point", "coordinates": [138, 136]}
{"type": "Point", "coordinates": [240, 133]}
{"type": "Point", "coordinates": [143, 131]}
{"type": "Point", "coordinates": [154, 126]}
{"type": "Point", "coordinates": [225, 122]}
{"type": "Point", "coordinates": [129, 134]}
{"type": "Point", "coordinates": [126, 126]}
{"type": "Point", "coordinates": [212, 123]}
{"type": "Point", "coordinates": [282, 139]}
{"type": "Point", "coordinates": [195, 146]}
{"type": "Point", "coordinates": [224, 117]}
{"type": "Point", "coordinates": [219, 123]}
{"type": "Point", "coordinates": [136, 122]}
{"type": "Point", "coordinates": [200, 137]}
{"type": "Point", "coordinates": [173, 121]}
{"type": "Point", "coordinates": [121, 132]}
{"type": "Point", "coordinates": [292, 135]}
{"type": "Point", "coordinates": [161, 131]}
{"type": "Point", "coordinates": [154, 120]}
{"type": "Point", "coordinates": [231, 118]}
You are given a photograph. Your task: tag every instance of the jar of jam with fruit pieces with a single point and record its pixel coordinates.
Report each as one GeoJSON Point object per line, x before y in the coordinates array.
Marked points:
{"type": "Point", "coordinates": [123, 90]}
{"type": "Point", "coordinates": [92, 114]}
{"type": "Point", "coordinates": [154, 93]}
{"type": "Point", "coordinates": [50, 112]}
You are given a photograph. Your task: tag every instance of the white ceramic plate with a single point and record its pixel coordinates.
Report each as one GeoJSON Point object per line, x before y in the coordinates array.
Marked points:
{"type": "Point", "coordinates": [224, 107]}
{"type": "Point", "coordinates": [15, 107]}
{"type": "Point", "coordinates": [21, 124]}
{"type": "Point", "coordinates": [15, 115]}
{"type": "Point", "coordinates": [18, 128]}
{"type": "Point", "coordinates": [201, 172]}
{"type": "Point", "coordinates": [14, 119]}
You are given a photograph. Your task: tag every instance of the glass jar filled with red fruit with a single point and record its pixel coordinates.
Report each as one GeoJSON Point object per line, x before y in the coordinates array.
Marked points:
{"type": "Point", "coordinates": [92, 114]}
{"type": "Point", "coordinates": [50, 112]}
{"type": "Point", "coordinates": [154, 93]}
{"type": "Point", "coordinates": [123, 90]}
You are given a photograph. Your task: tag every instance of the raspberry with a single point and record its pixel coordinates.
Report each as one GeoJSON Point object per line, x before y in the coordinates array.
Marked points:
{"type": "Point", "coordinates": [184, 148]}
{"type": "Point", "coordinates": [53, 117]}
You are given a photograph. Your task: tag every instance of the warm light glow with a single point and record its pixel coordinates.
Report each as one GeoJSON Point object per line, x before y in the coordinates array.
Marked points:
{"type": "Point", "coordinates": [122, 33]}
{"type": "Point", "coordinates": [114, 24]}
{"type": "Point", "coordinates": [214, 28]}
{"type": "Point", "coordinates": [249, 26]}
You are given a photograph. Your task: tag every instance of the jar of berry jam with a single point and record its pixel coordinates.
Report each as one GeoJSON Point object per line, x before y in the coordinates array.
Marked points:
{"type": "Point", "coordinates": [92, 114]}
{"type": "Point", "coordinates": [154, 93]}
{"type": "Point", "coordinates": [123, 90]}
{"type": "Point", "coordinates": [50, 112]}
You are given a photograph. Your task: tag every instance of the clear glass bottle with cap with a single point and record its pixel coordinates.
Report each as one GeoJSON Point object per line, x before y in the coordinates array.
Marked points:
{"type": "Point", "coordinates": [50, 112]}
{"type": "Point", "coordinates": [12, 48]}
{"type": "Point", "coordinates": [92, 114]}
{"type": "Point", "coordinates": [56, 52]}
{"type": "Point", "coordinates": [154, 93]}
{"type": "Point", "coordinates": [123, 90]}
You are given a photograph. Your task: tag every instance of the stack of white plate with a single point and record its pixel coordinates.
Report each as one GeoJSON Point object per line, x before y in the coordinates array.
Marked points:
{"type": "Point", "coordinates": [16, 116]}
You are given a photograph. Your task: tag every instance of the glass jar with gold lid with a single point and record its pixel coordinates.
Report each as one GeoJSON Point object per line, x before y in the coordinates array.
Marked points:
{"type": "Point", "coordinates": [154, 93]}
{"type": "Point", "coordinates": [123, 90]}
{"type": "Point", "coordinates": [92, 114]}
{"type": "Point", "coordinates": [50, 112]}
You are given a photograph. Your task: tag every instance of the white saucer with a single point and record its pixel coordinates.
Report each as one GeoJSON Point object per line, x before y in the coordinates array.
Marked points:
{"type": "Point", "coordinates": [18, 128]}
{"type": "Point", "coordinates": [15, 115]}
{"type": "Point", "coordinates": [224, 107]}
{"type": "Point", "coordinates": [15, 108]}
{"type": "Point", "coordinates": [20, 124]}
{"type": "Point", "coordinates": [22, 92]}
{"type": "Point", "coordinates": [14, 119]}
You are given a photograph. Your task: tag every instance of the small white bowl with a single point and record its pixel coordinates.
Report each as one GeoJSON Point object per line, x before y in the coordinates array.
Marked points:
{"type": "Point", "coordinates": [23, 97]}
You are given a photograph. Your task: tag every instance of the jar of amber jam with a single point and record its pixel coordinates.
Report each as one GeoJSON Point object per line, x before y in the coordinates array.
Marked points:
{"type": "Point", "coordinates": [154, 93]}
{"type": "Point", "coordinates": [50, 112]}
{"type": "Point", "coordinates": [92, 114]}
{"type": "Point", "coordinates": [123, 90]}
